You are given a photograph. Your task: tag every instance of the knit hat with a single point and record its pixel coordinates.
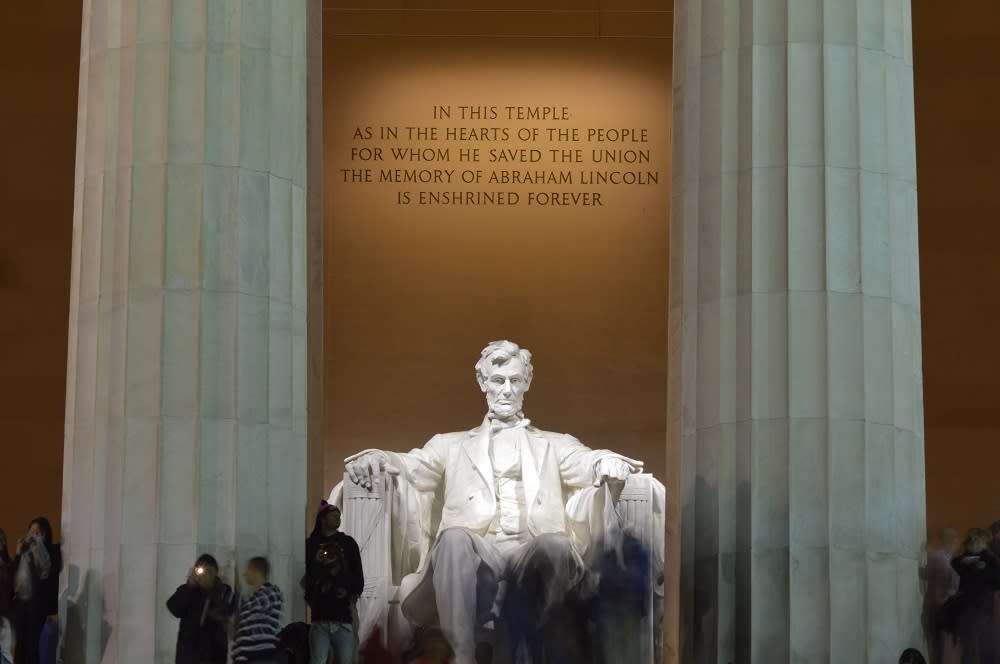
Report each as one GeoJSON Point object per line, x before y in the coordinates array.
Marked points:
{"type": "Point", "coordinates": [325, 507]}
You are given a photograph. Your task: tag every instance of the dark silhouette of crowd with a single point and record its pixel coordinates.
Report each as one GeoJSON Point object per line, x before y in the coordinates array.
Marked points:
{"type": "Point", "coordinates": [215, 623]}
{"type": "Point", "coordinates": [962, 584]}
{"type": "Point", "coordinates": [596, 624]}
{"type": "Point", "coordinates": [960, 615]}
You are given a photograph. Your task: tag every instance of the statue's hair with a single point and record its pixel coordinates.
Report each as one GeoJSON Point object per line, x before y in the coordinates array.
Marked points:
{"type": "Point", "coordinates": [499, 353]}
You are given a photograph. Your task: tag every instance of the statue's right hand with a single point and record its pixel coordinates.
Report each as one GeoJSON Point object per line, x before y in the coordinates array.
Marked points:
{"type": "Point", "coordinates": [362, 469]}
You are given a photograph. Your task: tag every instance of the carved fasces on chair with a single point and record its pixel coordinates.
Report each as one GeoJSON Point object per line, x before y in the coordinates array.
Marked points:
{"type": "Point", "coordinates": [640, 507]}
{"type": "Point", "coordinates": [367, 517]}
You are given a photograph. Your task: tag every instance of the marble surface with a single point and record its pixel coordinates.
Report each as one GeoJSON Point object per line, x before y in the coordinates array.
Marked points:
{"type": "Point", "coordinates": [186, 400]}
{"type": "Point", "coordinates": [796, 412]}
{"type": "Point", "coordinates": [506, 483]}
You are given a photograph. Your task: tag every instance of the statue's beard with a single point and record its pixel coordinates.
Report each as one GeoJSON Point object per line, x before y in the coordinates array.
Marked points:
{"type": "Point", "coordinates": [505, 410]}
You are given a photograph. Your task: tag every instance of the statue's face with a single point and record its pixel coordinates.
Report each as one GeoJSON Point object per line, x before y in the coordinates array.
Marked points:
{"type": "Point", "coordinates": [505, 388]}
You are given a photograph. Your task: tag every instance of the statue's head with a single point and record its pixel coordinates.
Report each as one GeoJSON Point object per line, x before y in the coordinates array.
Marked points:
{"type": "Point", "coordinates": [504, 374]}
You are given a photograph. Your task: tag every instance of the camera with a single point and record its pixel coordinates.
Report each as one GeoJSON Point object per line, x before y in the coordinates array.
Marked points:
{"type": "Point", "coordinates": [199, 570]}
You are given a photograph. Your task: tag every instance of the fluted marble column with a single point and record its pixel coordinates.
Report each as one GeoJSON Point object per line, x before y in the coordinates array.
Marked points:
{"type": "Point", "coordinates": [186, 400]}
{"type": "Point", "coordinates": [796, 398]}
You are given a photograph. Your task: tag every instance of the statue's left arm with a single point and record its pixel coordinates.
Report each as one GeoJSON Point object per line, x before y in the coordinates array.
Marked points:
{"type": "Point", "coordinates": [580, 466]}
{"type": "Point", "coordinates": [591, 505]}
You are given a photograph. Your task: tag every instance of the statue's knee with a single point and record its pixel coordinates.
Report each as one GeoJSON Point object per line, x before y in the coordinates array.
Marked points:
{"type": "Point", "coordinates": [453, 540]}
{"type": "Point", "coordinates": [553, 545]}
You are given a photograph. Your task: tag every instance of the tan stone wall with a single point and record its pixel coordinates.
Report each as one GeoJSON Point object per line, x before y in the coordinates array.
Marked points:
{"type": "Point", "coordinates": [958, 151]}
{"type": "Point", "coordinates": [415, 291]}
{"type": "Point", "coordinates": [40, 49]}
{"type": "Point", "coordinates": [957, 93]}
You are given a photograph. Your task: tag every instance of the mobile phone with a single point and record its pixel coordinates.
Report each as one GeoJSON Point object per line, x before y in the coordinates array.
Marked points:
{"type": "Point", "coordinates": [199, 570]}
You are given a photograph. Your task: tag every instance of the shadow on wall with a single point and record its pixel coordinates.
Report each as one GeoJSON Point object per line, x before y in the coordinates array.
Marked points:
{"type": "Point", "coordinates": [77, 600]}
{"type": "Point", "coordinates": [700, 577]}
{"type": "Point", "coordinates": [703, 512]}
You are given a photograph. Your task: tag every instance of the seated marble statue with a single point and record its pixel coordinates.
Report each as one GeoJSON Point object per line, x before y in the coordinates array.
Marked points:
{"type": "Point", "coordinates": [486, 513]}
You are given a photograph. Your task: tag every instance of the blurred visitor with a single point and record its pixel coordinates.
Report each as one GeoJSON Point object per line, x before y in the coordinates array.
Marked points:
{"type": "Point", "coordinates": [205, 606]}
{"type": "Point", "coordinates": [979, 577]}
{"type": "Point", "coordinates": [293, 644]}
{"type": "Point", "coordinates": [6, 640]}
{"type": "Point", "coordinates": [942, 583]}
{"type": "Point", "coordinates": [48, 643]}
{"type": "Point", "coordinates": [484, 653]}
{"type": "Point", "coordinates": [912, 656]}
{"type": "Point", "coordinates": [256, 639]}
{"type": "Point", "coordinates": [619, 607]}
{"type": "Point", "coordinates": [434, 648]}
{"type": "Point", "coordinates": [6, 575]}
{"type": "Point", "coordinates": [374, 652]}
{"type": "Point", "coordinates": [36, 589]}
{"type": "Point", "coordinates": [995, 538]}
{"type": "Point", "coordinates": [334, 580]}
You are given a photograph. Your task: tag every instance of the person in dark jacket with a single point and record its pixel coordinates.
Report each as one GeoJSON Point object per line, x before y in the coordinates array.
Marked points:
{"type": "Point", "coordinates": [36, 588]}
{"type": "Point", "coordinates": [942, 583]}
{"type": "Point", "coordinates": [334, 580]}
{"type": "Point", "coordinates": [293, 644]}
{"type": "Point", "coordinates": [994, 530]}
{"type": "Point", "coordinates": [205, 605]}
{"type": "Point", "coordinates": [6, 574]}
{"type": "Point", "coordinates": [912, 656]}
{"type": "Point", "coordinates": [979, 577]}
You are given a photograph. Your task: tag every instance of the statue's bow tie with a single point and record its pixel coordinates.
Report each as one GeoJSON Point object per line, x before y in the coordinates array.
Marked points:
{"type": "Point", "coordinates": [500, 425]}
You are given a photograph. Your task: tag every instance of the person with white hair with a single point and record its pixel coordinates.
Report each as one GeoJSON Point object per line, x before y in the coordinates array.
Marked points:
{"type": "Point", "coordinates": [505, 520]}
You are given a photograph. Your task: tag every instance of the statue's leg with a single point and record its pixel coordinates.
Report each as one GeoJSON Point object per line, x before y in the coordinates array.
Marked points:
{"type": "Point", "coordinates": [463, 584]}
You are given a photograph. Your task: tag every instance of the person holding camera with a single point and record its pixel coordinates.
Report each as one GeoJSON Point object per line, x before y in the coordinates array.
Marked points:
{"type": "Point", "coordinates": [6, 574]}
{"type": "Point", "coordinates": [36, 591]}
{"type": "Point", "coordinates": [205, 606]}
{"type": "Point", "coordinates": [334, 580]}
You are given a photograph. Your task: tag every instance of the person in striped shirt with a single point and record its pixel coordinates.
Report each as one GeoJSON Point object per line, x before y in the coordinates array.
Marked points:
{"type": "Point", "coordinates": [256, 639]}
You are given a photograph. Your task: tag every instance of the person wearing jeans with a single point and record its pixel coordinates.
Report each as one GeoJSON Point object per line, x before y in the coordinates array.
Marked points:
{"type": "Point", "coordinates": [325, 636]}
{"type": "Point", "coordinates": [334, 580]}
{"type": "Point", "coordinates": [48, 644]}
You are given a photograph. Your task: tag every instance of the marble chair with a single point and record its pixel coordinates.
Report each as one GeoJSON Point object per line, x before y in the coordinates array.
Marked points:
{"type": "Point", "coordinates": [388, 556]}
